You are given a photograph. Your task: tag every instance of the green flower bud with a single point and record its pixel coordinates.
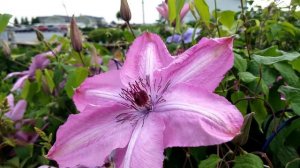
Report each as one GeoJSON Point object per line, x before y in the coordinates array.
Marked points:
{"type": "Point", "coordinates": [39, 35]}
{"type": "Point", "coordinates": [125, 11]}
{"type": "Point", "coordinates": [5, 48]}
{"type": "Point", "coordinates": [242, 138]}
{"type": "Point", "coordinates": [75, 34]}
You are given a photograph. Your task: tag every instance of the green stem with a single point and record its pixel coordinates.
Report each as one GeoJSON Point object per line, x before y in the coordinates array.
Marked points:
{"type": "Point", "coordinates": [130, 28]}
{"type": "Point", "coordinates": [243, 16]}
{"type": "Point", "coordinates": [80, 56]}
{"type": "Point", "coordinates": [49, 48]}
{"type": "Point", "coordinates": [216, 16]}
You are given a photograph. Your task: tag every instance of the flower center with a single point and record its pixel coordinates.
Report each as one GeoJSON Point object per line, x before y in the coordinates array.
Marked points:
{"type": "Point", "coordinates": [140, 98]}
{"type": "Point", "coordinates": [136, 95]}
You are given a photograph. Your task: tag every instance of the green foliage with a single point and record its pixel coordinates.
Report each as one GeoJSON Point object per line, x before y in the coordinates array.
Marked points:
{"type": "Point", "coordinates": [248, 160]}
{"type": "Point", "coordinates": [4, 19]}
{"type": "Point", "coordinates": [211, 162]}
{"type": "Point", "coordinates": [75, 78]}
{"type": "Point", "coordinates": [203, 11]}
{"type": "Point", "coordinates": [264, 81]}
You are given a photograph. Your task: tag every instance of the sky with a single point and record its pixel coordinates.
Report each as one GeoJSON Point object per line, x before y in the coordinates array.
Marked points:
{"type": "Point", "coordinates": [103, 8]}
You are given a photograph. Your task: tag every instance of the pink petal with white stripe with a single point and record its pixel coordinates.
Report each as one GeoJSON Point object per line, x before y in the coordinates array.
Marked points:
{"type": "Point", "coordinates": [196, 117]}
{"type": "Point", "coordinates": [204, 64]}
{"type": "Point", "coordinates": [87, 139]}
{"type": "Point", "coordinates": [99, 90]}
{"type": "Point", "coordinates": [147, 54]}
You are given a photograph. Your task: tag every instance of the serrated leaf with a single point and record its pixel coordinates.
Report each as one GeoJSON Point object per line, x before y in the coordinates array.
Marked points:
{"type": "Point", "coordinates": [248, 160]}
{"type": "Point", "coordinates": [210, 162]}
{"type": "Point", "coordinates": [203, 10]}
{"type": "Point", "coordinates": [247, 77]}
{"type": "Point", "coordinates": [292, 96]}
{"type": "Point", "coordinates": [4, 19]}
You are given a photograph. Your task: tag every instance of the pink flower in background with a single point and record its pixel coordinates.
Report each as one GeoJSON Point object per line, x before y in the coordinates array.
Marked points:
{"type": "Point", "coordinates": [40, 61]}
{"type": "Point", "coordinates": [16, 112]}
{"type": "Point", "coordinates": [154, 102]}
{"type": "Point", "coordinates": [164, 11]}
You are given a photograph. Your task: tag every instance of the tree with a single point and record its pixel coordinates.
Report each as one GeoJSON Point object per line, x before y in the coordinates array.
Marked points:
{"type": "Point", "coordinates": [34, 20]}
{"type": "Point", "coordinates": [16, 22]}
{"type": "Point", "coordinates": [26, 22]}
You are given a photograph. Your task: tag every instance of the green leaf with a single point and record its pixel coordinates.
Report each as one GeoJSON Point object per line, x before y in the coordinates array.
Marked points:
{"type": "Point", "coordinates": [247, 77]}
{"type": "Point", "coordinates": [24, 151]}
{"type": "Point", "coordinates": [241, 105]}
{"type": "Point", "coordinates": [292, 96]}
{"type": "Point", "coordinates": [203, 10]}
{"type": "Point", "coordinates": [29, 90]}
{"type": "Point", "coordinates": [248, 160]}
{"type": "Point", "coordinates": [49, 79]}
{"type": "Point", "coordinates": [210, 162]}
{"type": "Point", "coordinates": [296, 64]}
{"type": "Point", "coordinates": [240, 63]}
{"type": "Point", "coordinates": [271, 51]}
{"type": "Point", "coordinates": [257, 106]}
{"type": "Point", "coordinates": [227, 18]}
{"type": "Point", "coordinates": [75, 78]}
{"type": "Point", "coordinates": [268, 60]}
{"type": "Point", "coordinates": [287, 73]}
{"type": "Point", "coordinates": [172, 10]}
{"type": "Point", "coordinates": [38, 78]}
{"type": "Point", "coordinates": [4, 19]}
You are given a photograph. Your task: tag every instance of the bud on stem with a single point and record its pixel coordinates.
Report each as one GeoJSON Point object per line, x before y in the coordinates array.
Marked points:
{"type": "Point", "coordinates": [75, 34]}
{"type": "Point", "coordinates": [39, 35]}
{"type": "Point", "coordinates": [5, 48]}
{"type": "Point", "coordinates": [125, 11]}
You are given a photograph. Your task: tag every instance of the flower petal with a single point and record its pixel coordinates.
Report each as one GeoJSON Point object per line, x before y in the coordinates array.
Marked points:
{"type": "Point", "coordinates": [185, 9]}
{"type": "Point", "coordinates": [145, 148]}
{"type": "Point", "coordinates": [87, 138]}
{"type": "Point", "coordinates": [18, 111]}
{"type": "Point", "coordinates": [99, 90]}
{"type": "Point", "coordinates": [19, 83]}
{"type": "Point", "coordinates": [204, 64]}
{"type": "Point", "coordinates": [196, 117]}
{"type": "Point", "coordinates": [163, 10]}
{"type": "Point", "coordinates": [16, 74]}
{"type": "Point", "coordinates": [146, 54]}
{"type": "Point", "coordinates": [11, 101]}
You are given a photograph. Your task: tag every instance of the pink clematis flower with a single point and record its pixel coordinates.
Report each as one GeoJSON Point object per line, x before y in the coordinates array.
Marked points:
{"type": "Point", "coordinates": [154, 102]}
{"type": "Point", "coordinates": [17, 111]}
{"type": "Point", "coordinates": [164, 10]}
{"type": "Point", "coordinates": [40, 61]}
{"type": "Point", "coordinates": [16, 114]}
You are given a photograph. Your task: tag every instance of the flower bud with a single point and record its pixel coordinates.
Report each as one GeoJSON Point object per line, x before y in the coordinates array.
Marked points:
{"type": "Point", "coordinates": [39, 35]}
{"type": "Point", "coordinates": [242, 138]}
{"type": "Point", "coordinates": [125, 11]}
{"type": "Point", "coordinates": [5, 48]}
{"type": "Point", "coordinates": [75, 34]}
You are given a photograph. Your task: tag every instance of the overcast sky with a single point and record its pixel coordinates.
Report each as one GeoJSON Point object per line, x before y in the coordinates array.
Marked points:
{"type": "Point", "coordinates": [103, 8]}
